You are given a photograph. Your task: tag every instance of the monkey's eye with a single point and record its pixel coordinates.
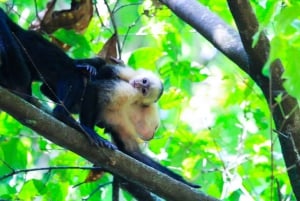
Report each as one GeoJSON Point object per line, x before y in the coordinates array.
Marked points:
{"type": "Point", "coordinates": [145, 80]}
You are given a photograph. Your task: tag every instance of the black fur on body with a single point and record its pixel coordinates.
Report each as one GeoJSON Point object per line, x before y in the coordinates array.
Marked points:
{"type": "Point", "coordinates": [26, 57]}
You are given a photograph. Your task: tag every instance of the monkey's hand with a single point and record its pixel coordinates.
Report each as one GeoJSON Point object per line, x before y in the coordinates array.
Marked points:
{"type": "Point", "coordinates": [96, 139]}
{"type": "Point", "coordinates": [87, 69]}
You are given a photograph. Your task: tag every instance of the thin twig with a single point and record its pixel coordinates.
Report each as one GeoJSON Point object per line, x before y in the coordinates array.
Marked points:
{"type": "Point", "coordinates": [41, 169]}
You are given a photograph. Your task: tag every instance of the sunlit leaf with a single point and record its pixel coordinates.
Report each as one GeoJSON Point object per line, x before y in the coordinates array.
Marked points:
{"type": "Point", "coordinates": [171, 98]}
{"type": "Point", "coordinates": [145, 58]}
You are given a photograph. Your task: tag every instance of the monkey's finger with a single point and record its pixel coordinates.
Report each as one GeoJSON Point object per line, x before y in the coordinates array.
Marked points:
{"type": "Point", "coordinates": [90, 69]}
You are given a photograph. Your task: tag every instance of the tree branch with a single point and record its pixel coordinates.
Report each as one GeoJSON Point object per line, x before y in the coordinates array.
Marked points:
{"type": "Point", "coordinates": [114, 161]}
{"type": "Point", "coordinates": [212, 27]}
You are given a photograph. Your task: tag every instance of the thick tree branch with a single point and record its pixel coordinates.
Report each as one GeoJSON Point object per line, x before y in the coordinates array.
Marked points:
{"type": "Point", "coordinates": [113, 161]}
{"type": "Point", "coordinates": [212, 27]}
{"type": "Point", "coordinates": [248, 26]}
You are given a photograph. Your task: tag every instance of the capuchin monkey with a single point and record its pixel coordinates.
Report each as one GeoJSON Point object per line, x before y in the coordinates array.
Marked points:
{"type": "Point", "coordinates": [119, 99]}
{"type": "Point", "coordinates": [126, 102]}
{"type": "Point", "coordinates": [123, 101]}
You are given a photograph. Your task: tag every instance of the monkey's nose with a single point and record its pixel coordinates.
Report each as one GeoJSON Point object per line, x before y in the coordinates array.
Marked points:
{"type": "Point", "coordinates": [141, 84]}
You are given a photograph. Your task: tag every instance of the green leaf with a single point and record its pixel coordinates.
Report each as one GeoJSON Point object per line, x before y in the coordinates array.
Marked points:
{"type": "Point", "coordinates": [292, 72]}
{"type": "Point", "coordinates": [6, 191]}
{"type": "Point", "coordinates": [29, 190]}
{"type": "Point", "coordinates": [172, 98]}
{"type": "Point", "coordinates": [18, 160]}
{"type": "Point", "coordinates": [80, 46]}
{"type": "Point", "coordinates": [145, 58]}
{"type": "Point", "coordinates": [235, 195]}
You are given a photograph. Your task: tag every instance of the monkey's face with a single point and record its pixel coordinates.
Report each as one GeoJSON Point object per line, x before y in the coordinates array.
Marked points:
{"type": "Point", "coordinates": [149, 86]}
{"type": "Point", "coordinates": [142, 84]}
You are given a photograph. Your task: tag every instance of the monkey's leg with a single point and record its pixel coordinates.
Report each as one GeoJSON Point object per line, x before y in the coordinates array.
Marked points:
{"type": "Point", "coordinates": [89, 112]}
{"type": "Point", "coordinates": [14, 72]}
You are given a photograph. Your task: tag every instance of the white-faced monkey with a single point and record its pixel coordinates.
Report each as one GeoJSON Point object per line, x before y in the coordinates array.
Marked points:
{"type": "Point", "coordinates": [119, 99]}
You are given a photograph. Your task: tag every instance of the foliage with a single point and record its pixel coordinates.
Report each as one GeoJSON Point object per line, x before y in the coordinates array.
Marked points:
{"type": "Point", "coordinates": [216, 125]}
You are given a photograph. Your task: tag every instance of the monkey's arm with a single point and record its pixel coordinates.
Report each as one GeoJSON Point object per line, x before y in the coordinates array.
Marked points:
{"type": "Point", "coordinates": [125, 73]}
{"type": "Point", "coordinates": [89, 114]}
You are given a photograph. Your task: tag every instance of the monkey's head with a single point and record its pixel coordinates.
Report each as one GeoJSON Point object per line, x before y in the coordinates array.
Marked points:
{"type": "Point", "coordinates": [149, 85]}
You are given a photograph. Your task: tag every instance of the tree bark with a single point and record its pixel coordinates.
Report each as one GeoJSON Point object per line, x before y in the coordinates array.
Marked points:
{"type": "Point", "coordinates": [113, 161]}
{"type": "Point", "coordinates": [212, 27]}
